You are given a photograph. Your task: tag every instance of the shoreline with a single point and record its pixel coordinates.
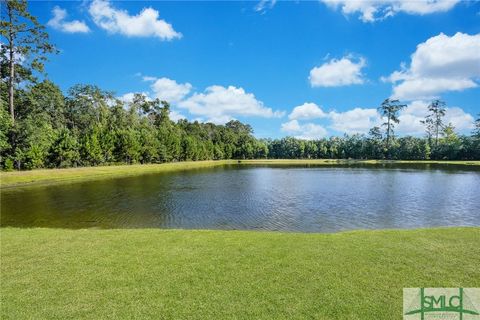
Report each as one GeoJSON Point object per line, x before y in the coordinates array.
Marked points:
{"type": "Point", "coordinates": [39, 177]}
{"type": "Point", "coordinates": [14, 179]}
{"type": "Point", "coordinates": [240, 231]}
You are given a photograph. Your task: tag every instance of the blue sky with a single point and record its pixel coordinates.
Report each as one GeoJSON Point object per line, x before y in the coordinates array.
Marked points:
{"type": "Point", "coordinates": [257, 61]}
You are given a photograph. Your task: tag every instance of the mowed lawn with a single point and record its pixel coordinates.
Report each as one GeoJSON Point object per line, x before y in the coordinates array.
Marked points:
{"type": "Point", "coordinates": [185, 274]}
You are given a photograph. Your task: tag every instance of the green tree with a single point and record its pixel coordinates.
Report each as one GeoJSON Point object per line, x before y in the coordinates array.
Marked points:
{"type": "Point", "coordinates": [190, 151]}
{"type": "Point", "coordinates": [451, 143]}
{"type": "Point", "coordinates": [411, 148]}
{"type": "Point", "coordinates": [149, 144]}
{"type": "Point", "coordinates": [26, 43]}
{"type": "Point", "coordinates": [34, 139]}
{"type": "Point", "coordinates": [427, 151]}
{"type": "Point", "coordinates": [389, 109]}
{"type": "Point", "coordinates": [375, 143]}
{"type": "Point", "coordinates": [5, 130]}
{"type": "Point", "coordinates": [434, 120]}
{"type": "Point", "coordinates": [87, 106]}
{"type": "Point", "coordinates": [311, 149]}
{"type": "Point", "coordinates": [64, 151]}
{"type": "Point", "coordinates": [129, 145]}
{"type": "Point", "coordinates": [218, 152]}
{"type": "Point", "coordinates": [92, 153]}
{"type": "Point", "coordinates": [322, 149]}
{"type": "Point", "coordinates": [476, 129]}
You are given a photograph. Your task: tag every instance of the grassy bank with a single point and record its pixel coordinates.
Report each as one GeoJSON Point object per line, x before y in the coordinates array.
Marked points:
{"type": "Point", "coordinates": [175, 274]}
{"type": "Point", "coordinates": [54, 176]}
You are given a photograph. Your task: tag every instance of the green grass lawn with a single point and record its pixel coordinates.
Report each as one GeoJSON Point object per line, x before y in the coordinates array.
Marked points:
{"type": "Point", "coordinates": [55, 176]}
{"type": "Point", "coordinates": [180, 274]}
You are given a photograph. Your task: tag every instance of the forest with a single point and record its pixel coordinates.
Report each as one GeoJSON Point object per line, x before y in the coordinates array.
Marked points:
{"type": "Point", "coordinates": [43, 127]}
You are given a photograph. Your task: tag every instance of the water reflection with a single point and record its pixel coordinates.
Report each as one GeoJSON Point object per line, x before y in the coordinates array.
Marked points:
{"type": "Point", "coordinates": [298, 198]}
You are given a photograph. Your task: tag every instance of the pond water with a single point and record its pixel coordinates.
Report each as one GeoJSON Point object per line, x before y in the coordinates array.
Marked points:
{"type": "Point", "coordinates": [298, 198]}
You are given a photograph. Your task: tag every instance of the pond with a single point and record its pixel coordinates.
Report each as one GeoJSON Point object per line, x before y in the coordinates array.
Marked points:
{"type": "Point", "coordinates": [247, 197]}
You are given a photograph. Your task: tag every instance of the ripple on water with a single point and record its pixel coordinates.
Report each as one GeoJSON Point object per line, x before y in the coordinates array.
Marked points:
{"type": "Point", "coordinates": [256, 198]}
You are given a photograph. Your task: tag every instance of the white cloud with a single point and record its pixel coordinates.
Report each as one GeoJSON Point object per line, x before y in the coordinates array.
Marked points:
{"type": "Point", "coordinates": [440, 64]}
{"type": "Point", "coordinates": [144, 24]}
{"type": "Point", "coordinates": [307, 110]}
{"type": "Point", "coordinates": [169, 90]}
{"type": "Point", "coordinates": [58, 22]}
{"type": "Point", "coordinates": [461, 120]}
{"type": "Point", "coordinates": [127, 97]}
{"type": "Point", "coordinates": [361, 120]}
{"type": "Point", "coordinates": [220, 104]}
{"type": "Point", "coordinates": [338, 72]}
{"type": "Point", "coordinates": [357, 120]}
{"type": "Point", "coordinates": [148, 78]}
{"type": "Point", "coordinates": [216, 104]}
{"type": "Point", "coordinates": [175, 115]}
{"type": "Point", "coordinates": [291, 126]}
{"type": "Point", "coordinates": [371, 10]}
{"type": "Point", "coordinates": [428, 88]}
{"type": "Point", "coordinates": [263, 5]}
{"type": "Point", "coordinates": [411, 116]}
{"type": "Point", "coordinates": [308, 131]}
{"type": "Point", "coordinates": [416, 111]}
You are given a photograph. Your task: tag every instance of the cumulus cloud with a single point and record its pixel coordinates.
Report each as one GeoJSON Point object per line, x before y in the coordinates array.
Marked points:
{"type": "Point", "coordinates": [220, 104]}
{"type": "Point", "coordinates": [425, 88]}
{"type": "Point", "coordinates": [307, 131]}
{"type": "Point", "coordinates": [416, 111]}
{"type": "Point", "coordinates": [440, 64]}
{"type": "Point", "coordinates": [216, 104]}
{"type": "Point", "coordinates": [357, 120]}
{"type": "Point", "coordinates": [361, 120]}
{"type": "Point", "coordinates": [175, 115]}
{"type": "Point", "coordinates": [372, 10]}
{"type": "Point", "coordinates": [128, 97]}
{"type": "Point", "coordinates": [168, 89]}
{"type": "Point", "coordinates": [144, 24]}
{"type": "Point", "coordinates": [291, 126]}
{"type": "Point", "coordinates": [307, 110]}
{"type": "Point", "coordinates": [338, 72]}
{"type": "Point", "coordinates": [461, 120]}
{"type": "Point", "coordinates": [58, 22]}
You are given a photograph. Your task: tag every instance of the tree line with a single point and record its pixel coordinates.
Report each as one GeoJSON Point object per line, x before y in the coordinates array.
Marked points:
{"type": "Point", "coordinates": [440, 142]}
{"type": "Point", "coordinates": [43, 127]}
{"type": "Point", "coordinates": [90, 127]}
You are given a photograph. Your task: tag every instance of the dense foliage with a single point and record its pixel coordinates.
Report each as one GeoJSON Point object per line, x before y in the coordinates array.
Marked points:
{"type": "Point", "coordinates": [41, 127]}
{"type": "Point", "coordinates": [90, 126]}
{"type": "Point", "coordinates": [451, 147]}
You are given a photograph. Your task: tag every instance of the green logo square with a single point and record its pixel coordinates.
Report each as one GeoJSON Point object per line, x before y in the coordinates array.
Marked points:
{"type": "Point", "coordinates": [441, 303]}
